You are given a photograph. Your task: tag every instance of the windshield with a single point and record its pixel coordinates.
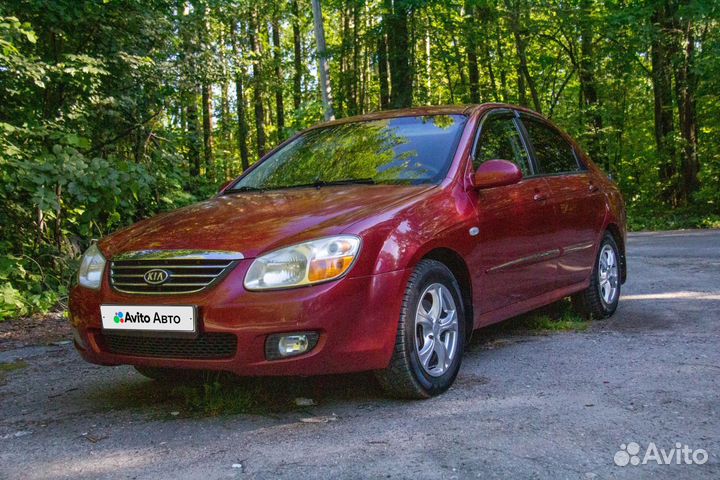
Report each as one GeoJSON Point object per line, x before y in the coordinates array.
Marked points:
{"type": "Point", "coordinates": [410, 150]}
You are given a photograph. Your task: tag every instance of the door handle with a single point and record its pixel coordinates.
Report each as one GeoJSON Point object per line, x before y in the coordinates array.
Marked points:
{"type": "Point", "coordinates": [539, 197]}
{"type": "Point", "coordinates": [593, 188]}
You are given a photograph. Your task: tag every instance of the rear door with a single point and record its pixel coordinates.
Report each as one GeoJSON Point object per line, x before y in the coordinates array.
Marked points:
{"type": "Point", "coordinates": [578, 203]}
{"type": "Point", "coordinates": [516, 256]}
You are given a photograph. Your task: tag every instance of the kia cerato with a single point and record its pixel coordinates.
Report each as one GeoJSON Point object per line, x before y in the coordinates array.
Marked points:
{"type": "Point", "coordinates": [374, 243]}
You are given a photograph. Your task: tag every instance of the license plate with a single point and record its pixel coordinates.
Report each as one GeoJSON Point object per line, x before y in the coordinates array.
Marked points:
{"type": "Point", "coordinates": [144, 318]}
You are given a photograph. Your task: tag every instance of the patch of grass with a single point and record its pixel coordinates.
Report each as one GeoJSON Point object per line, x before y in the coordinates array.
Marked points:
{"type": "Point", "coordinates": [558, 317]}
{"type": "Point", "coordinates": [218, 394]}
{"type": "Point", "coordinates": [546, 323]}
{"type": "Point", "coordinates": [218, 398]}
{"type": "Point", "coordinates": [12, 366]}
{"type": "Point", "coordinates": [6, 368]}
{"type": "Point", "coordinates": [212, 395]}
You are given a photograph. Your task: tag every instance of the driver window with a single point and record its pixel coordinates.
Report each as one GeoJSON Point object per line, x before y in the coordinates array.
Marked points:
{"type": "Point", "coordinates": [500, 140]}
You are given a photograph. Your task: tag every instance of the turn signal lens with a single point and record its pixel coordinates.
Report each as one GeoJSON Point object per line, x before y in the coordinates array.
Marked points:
{"type": "Point", "coordinates": [329, 268]}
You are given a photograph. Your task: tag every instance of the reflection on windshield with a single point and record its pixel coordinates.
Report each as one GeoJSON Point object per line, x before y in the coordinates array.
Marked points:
{"type": "Point", "coordinates": [394, 150]}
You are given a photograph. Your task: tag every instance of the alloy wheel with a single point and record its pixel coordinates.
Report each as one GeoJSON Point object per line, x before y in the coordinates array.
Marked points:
{"type": "Point", "coordinates": [608, 275]}
{"type": "Point", "coordinates": [436, 329]}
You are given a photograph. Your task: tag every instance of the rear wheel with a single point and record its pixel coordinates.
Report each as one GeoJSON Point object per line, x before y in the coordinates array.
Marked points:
{"type": "Point", "coordinates": [430, 337]}
{"type": "Point", "coordinates": [600, 299]}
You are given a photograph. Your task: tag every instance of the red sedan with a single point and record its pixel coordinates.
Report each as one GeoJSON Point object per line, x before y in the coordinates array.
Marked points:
{"type": "Point", "coordinates": [371, 243]}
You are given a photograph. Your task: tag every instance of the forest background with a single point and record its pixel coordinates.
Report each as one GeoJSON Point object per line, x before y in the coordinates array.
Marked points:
{"type": "Point", "coordinates": [114, 110]}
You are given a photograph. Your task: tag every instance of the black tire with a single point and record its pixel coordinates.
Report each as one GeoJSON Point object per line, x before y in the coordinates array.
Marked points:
{"type": "Point", "coordinates": [405, 377]}
{"type": "Point", "coordinates": [590, 303]}
{"type": "Point", "coordinates": [170, 375]}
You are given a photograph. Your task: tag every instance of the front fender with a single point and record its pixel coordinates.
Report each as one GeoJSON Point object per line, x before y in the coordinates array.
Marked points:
{"type": "Point", "coordinates": [399, 239]}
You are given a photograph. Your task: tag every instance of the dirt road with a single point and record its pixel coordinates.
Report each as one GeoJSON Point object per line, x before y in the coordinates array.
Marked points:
{"type": "Point", "coordinates": [524, 406]}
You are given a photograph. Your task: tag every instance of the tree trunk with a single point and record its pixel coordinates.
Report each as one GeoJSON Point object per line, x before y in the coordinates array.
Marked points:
{"type": "Point", "coordinates": [224, 124]}
{"type": "Point", "coordinates": [193, 135]}
{"type": "Point", "coordinates": [324, 67]}
{"type": "Point", "coordinates": [685, 84]}
{"type": "Point", "coordinates": [396, 23]}
{"type": "Point", "coordinates": [257, 87]}
{"type": "Point", "coordinates": [297, 59]}
{"type": "Point", "coordinates": [428, 64]}
{"type": "Point", "coordinates": [242, 121]}
{"type": "Point", "coordinates": [342, 100]}
{"type": "Point", "coordinates": [277, 57]}
{"type": "Point", "coordinates": [520, 46]}
{"type": "Point", "coordinates": [588, 87]}
{"type": "Point", "coordinates": [354, 110]}
{"type": "Point", "coordinates": [383, 70]}
{"type": "Point", "coordinates": [189, 92]}
{"type": "Point", "coordinates": [491, 74]}
{"type": "Point", "coordinates": [207, 128]}
{"type": "Point", "coordinates": [471, 48]}
{"type": "Point", "coordinates": [522, 89]}
{"type": "Point", "coordinates": [224, 104]}
{"type": "Point", "coordinates": [240, 106]}
{"type": "Point", "coordinates": [501, 63]}
{"type": "Point", "coordinates": [661, 51]}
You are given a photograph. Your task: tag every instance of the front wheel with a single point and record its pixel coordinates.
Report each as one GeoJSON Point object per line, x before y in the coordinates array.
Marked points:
{"type": "Point", "coordinates": [600, 299]}
{"type": "Point", "coordinates": [430, 337]}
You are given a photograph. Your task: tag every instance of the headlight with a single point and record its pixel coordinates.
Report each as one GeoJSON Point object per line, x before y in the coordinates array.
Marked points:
{"type": "Point", "coordinates": [304, 263]}
{"type": "Point", "coordinates": [91, 268]}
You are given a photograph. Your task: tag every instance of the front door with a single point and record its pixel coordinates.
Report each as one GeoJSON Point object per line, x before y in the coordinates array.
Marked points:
{"type": "Point", "coordinates": [516, 255]}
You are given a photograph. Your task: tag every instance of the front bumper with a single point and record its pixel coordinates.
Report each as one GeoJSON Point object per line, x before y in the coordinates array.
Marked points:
{"type": "Point", "coordinates": [356, 318]}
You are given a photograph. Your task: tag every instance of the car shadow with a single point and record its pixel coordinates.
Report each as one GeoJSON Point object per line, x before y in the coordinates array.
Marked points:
{"type": "Point", "coordinates": [524, 328]}
{"type": "Point", "coordinates": [213, 393]}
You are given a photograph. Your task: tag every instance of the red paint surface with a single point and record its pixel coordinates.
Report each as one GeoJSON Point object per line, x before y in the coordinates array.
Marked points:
{"type": "Point", "coordinates": [357, 315]}
{"type": "Point", "coordinates": [496, 173]}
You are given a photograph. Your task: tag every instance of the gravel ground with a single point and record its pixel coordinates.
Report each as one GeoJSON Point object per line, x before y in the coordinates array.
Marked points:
{"type": "Point", "coordinates": [524, 406]}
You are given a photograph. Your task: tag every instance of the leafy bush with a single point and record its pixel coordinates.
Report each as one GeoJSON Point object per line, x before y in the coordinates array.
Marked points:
{"type": "Point", "coordinates": [53, 207]}
{"type": "Point", "coordinates": [26, 287]}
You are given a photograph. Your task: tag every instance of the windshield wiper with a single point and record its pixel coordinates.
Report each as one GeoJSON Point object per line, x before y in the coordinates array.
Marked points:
{"type": "Point", "coordinates": [349, 181]}
{"type": "Point", "coordinates": [243, 189]}
{"type": "Point", "coordinates": [317, 184]}
{"type": "Point", "coordinates": [328, 183]}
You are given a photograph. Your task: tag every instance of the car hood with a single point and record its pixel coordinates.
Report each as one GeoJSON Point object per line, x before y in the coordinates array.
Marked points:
{"type": "Point", "coordinates": [255, 222]}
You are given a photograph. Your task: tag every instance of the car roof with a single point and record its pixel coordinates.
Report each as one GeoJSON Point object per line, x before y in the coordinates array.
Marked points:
{"type": "Point", "coordinates": [424, 111]}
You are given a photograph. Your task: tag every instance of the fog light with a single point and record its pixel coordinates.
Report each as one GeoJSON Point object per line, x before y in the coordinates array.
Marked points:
{"type": "Point", "coordinates": [286, 345]}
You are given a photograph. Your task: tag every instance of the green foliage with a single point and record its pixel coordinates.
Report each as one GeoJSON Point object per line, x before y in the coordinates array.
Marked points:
{"type": "Point", "coordinates": [113, 111]}
{"type": "Point", "coordinates": [216, 398]}
{"type": "Point", "coordinates": [558, 317]}
{"type": "Point", "coordinates": [211, 395]}
{"type": "Point", "coordinates": [80, 155]}
{"type": "Point", "coordinates": [662, 218]}
{"type": "Point", "coordinates": [26, 287]}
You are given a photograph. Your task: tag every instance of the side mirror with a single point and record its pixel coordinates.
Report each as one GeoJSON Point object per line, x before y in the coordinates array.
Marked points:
{"type": "Point", "coordinates": [224, 186]}
{"type": "Point", "coordinates": [496, 173]}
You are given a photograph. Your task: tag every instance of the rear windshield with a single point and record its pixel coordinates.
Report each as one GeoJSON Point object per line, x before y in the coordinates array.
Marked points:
{"type": "Point", "coordinates": [410, 150]}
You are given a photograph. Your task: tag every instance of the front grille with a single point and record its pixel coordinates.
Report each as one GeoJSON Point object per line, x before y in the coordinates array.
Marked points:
{"type": "Point", "coordinates": [184, 275]}
{"type": "Point", "coordinates": [207, 346]}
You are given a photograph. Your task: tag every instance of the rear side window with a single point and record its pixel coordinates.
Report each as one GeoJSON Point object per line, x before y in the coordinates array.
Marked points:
{"type": "Point", "coordinates": [500, 140]}
{"type": "Point", "coordinates": [554, 154]}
